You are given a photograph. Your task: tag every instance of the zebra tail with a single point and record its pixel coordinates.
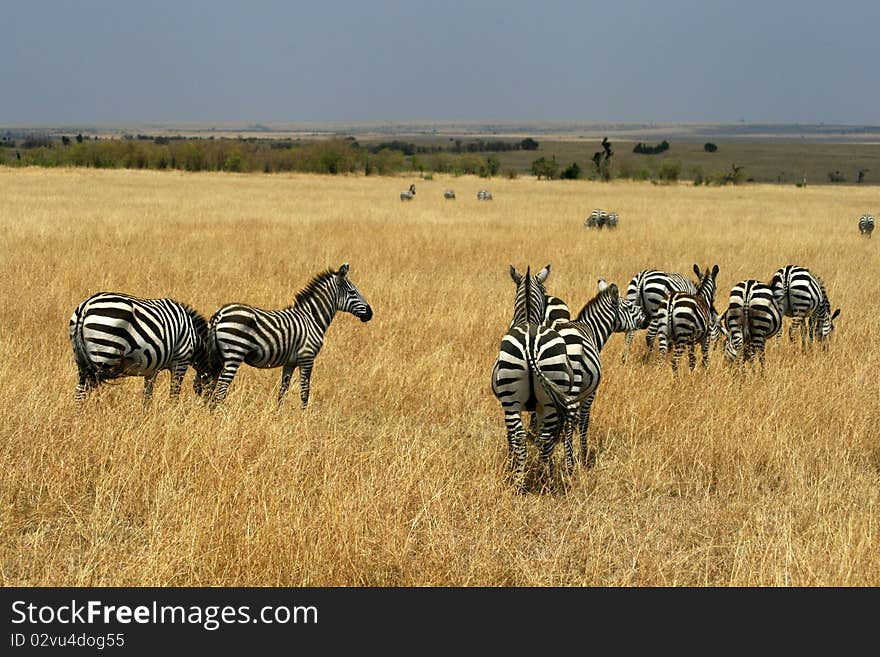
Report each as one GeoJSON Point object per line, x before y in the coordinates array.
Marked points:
{"type": "Point", "coordinates": [80, 353]}
{"type": "Point", "coordinates": [557, 397]}
{"type": "Point", "coordinates": [215, 362]}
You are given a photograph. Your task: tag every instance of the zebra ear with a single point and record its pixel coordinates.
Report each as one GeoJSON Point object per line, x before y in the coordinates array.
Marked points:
{"type": "Point", "coordinates": [697, 271]}
{"type": "Point", "coordinates": [602, 284]}
{"type": "Point", "coordinates": [615, 294]}
{"type": "Point", "coordinates": [835, 314]}
{"type": "Point", "coordinates": [514, 275]}
{"type": "Point", "coordinates": [343, 270]}
{"type": "Point", "coordinates": [715, 271]}
{"type": "Point", "coordinates": [543, 274]}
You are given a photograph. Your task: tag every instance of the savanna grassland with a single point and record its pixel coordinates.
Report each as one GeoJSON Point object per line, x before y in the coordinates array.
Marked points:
{"type": "Point", "coordinates": [394, 474]}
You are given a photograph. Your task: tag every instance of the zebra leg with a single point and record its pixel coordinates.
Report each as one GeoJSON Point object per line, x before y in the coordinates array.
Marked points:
{"type": "Point", "coordinates": [584, 425]}
{"type": "Point", "coordinates": [149, 383]}
{"type": "Point", "coordinates": [650, 336]}
{"type": "Point", "coordinates": [305, 375]}
{"type": "Point", "coordinates": [545, 453]}
{"type": "Point", "coordinates": [627, 343]}
{"type": "Point", "coordinates": [87, 383]}
{"type": "Point", "coordinates": [677, 351]}
{"type": "Point", "coordinates": [516, 448]}
{"type": "Point", "coordinates": [759, 347]}
{"type": "Point", "coordinates": [692, 356]}
{"type": "Point", "coordinates": [230, 367]}
{"type": "Point", "coordinates": [178, 371]}
{"type": "Point", "coordinates": [704, 346]}
{"type": "Point", "coordinates": [286, 374]}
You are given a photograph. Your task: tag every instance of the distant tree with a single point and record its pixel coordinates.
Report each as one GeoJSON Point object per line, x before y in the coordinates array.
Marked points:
{"type": "Point", "coordinates": [529, 144]}
{"type": "Point", "coordinates": [544, 168]}
{"type": "Point", "coordinates": [65, 140]}
{"type": "Point", "coordinates": [862, 173]}
{"type": "Point", "coordinates": [493, 165]}
{"type": "Point", "coordinates": [571, 172]}
{"type": "Point", "coordinates": [836, 177]}
{"type": "Point", "coordinates": [602, 160]}
{"type": "Point", "coordinates": [79, 138]}
{"type": "Point", "coordinates": [709, 147]}
{"type": "Point", "coordinates": [645, 149]}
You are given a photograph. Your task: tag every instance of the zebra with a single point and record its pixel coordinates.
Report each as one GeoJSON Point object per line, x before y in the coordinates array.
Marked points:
{"type": "Point", "coordinates": [647, 290]}
{"type": "Point", "coordinates": [597, 219]}
{"type": "Point", "coordinates": [115, 334]}
{"type": "Point", "coordinates": [484, 195]}
{"type": "Point", "coordinates": [407, 195]}
{"type": "Point", "coordinates": [751, 317]}
{"type": "Point", "coordinates": [287, 338]}
{"type": "Point", "coordinates": [448, 194]}
{"type": "Point", "coordinates": [531, 374]}
{"type": "Point", "coordinates": [611, 220]}
{"type": "Point", "coordinates": [866, 224]}
{"type": "Point", "coordinates": [802, 296]}
{"type": "Point", "coordinates": [686, 319]}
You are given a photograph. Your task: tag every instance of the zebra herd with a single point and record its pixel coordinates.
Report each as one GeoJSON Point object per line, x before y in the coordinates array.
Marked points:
{"type": "Point", "coordinates": [599, 218]}
{"type": "Point", "coordinates": [116, 335]}
{"type": "Point", "coordinates": [448, 194]}
{"type": "Point", "coordinates": [549, 364]}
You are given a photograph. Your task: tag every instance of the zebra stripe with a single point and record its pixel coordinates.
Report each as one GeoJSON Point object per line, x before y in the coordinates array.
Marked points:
{"type": "Point", "coordinates": [802, 296]}
{"type": "Point", "coordinates": [597, 219]}
{"type": "Point", "coordinates": [687, 319]}
{"type": "Point", "coordinates": [484, 195]}
{"type": "Point", "coordinates": [611, 220]}
{"type": "Point", "coordinates": [408, 194]}
{"type": "Point", "coordinates": [115, 334]}
{"type": "Point", "coordinates": [866, 224]}
{"type": "Point", "coordinates": [287, 338]}
{"type": "Point", "coordinates": [647, 289]}
{"type": "Point", "coordinates": [448, 194]}
{"type": "Point", "coordinates": [751, 317]}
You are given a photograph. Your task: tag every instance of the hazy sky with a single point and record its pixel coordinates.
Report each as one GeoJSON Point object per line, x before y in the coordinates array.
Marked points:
{"type": "Point", "coordinates": [159, 61]}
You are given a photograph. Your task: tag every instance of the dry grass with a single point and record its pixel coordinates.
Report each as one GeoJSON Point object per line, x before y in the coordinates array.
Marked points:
{"type": "Point", "coordinates": [394, 474]}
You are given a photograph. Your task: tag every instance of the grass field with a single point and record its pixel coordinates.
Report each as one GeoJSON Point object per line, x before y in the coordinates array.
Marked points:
{"type": "Point", "coordinates": [393, 476]}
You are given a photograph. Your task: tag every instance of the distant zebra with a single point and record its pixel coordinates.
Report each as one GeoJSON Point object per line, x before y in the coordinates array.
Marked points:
{"type": "Point", "coordinates": [802, 296]}
{"type": "Point", "coordinates": [484, 195]}
{"type": "Point", "coordinates": [408, 194]}
{"type": "Point", "coordinates": [687, 319]}
{"type": "Point", "coordinates": [866, 224]}
{"type": "Point", "coordinates": [448, 194]}
{"type": "Point", "coordinates": [530, 374]}
{"type": "Point", "coordinates": [114, 335]}
{"type": "Point", "coordinates": [597, 219]}
{"type": "Point", "coordinates": [611, 220]}
{"type": "Point", "coordinates": [646, 290]}
{"type": "Point", "coordinates": [287, 338]}
{"type": "Point", "coordinates": [751, 317]}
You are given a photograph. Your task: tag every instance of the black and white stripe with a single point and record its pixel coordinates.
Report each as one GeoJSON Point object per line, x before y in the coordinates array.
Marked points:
{"type": "Point", "coordinates": [531, 374]}
{"type": "Point", "coordinates": [802, 296]}
{"type": "Point", "coordinates": [685, 319]}
{"type": "Point", "coordinates": [866, 224]}
{"type": "Point", "coordinates": [646, 290]}
{"type": "Point", "coordinates": [407, 195]}
{"type": "Point", "coordinates": [287, 338]}
{"type": "Point", "coordinates": [611, 220]}
{"type": "Point", "coordinates": [597, 219]}
{"type": "Point", "coordinates": [448, 194]}
{"type": "Point", "coordinates": [484, 195]}
{"type": "Point", "coordinates": [114, 335]}
{"type": "Point", "coordinates": [752, 317]}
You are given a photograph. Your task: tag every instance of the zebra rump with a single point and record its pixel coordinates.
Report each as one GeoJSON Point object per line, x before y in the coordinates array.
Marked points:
{"type": "Point", "coordinates": [866, 224]}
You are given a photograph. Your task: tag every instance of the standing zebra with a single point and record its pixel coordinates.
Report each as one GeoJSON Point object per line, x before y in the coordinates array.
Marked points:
{"type": "Point", "coordinates": [686, 319]}
{"type": "Point", "coordinates": [287, 338]}
{"type": "Point", "coordinates": [531, 373]}
{"type": "Point", "coordinates": [646, 290]}
{"type": "Point", "coordinates": [407, 195]}
{"type": "Point", "coordinates": [611, 220]}
{"type": "Point", "coordinates": [751, 317]}
{"type": "Point", "coordinates": [484, 195]}
{"type": "Point", "coordinates": [597, 219]}
{"type": "Point", "coordinates": [802, 296]}
{"type": "Point", "coordinates": [116, 335]}
{"type": "Point", "coordinates": [448, 194]}
{"type": "Point", "coordinates": [866, 224]}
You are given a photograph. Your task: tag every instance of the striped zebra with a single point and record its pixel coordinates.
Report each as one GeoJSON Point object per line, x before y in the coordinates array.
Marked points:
{"type": "Point", "coordinates": [751, 317]}
{"type": "Point", "coordinates": [448, 194]}
{"type": "Point", "coordinates": [597, 219]}
{"type": "Point", "coordinates": [647, 290]}
{"type": "Point", "coordinates": [687, 319]}
{"type": "Point", "coordinates": [484, 195]}
{"type": "Point", "coordinates": [802, 296]}
{"type": "Point", "coordinates": [531, 374]}
{"type": "Point", "coordinates": [287, 338]}
{"type": "Point", "coordinates": [407, 195]}
{"type": "Point", "coordinates": [115, 335]}
{"type": "Point", "coordinates": [611, 220]}
{"type": "Point", "coordinates": [866, 224]}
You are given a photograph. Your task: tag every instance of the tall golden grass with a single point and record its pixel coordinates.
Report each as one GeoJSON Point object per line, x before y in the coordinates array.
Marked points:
{"type": "Point", "coordinates": [394, 474]}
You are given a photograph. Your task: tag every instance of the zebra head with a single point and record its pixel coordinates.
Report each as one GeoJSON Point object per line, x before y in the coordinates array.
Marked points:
{"type": "Point", "coordinates": [531, 297]}
{"type": "Point", "coordinates": [348, 297]}
{"type": "Point", "coordinates": [825, 318]}
{"type": "Point", "coordinates": [707, 286]}
{"type": "Point", "coordinates": [629, 315]}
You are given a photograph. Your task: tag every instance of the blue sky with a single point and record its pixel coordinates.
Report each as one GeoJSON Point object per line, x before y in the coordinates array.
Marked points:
{"type": "Point", "coordinates": [264, 61]}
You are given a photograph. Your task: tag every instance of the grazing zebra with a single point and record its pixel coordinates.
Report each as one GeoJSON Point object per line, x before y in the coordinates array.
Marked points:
{"type": "Point", "coordinates": [484, 195]}
{"type": "Point", "coordinates": [646, 290]}
{"type": "Point", "coordinates": [611, 220]}
{"type": "Point", "coordinates": [597, 219]}
{"type": "Point", "coordinates": [531, 373]}
{"type": "Point", "coordinates": [116, 335]}
{"type": "Point", "coordinates": [751, 317]}
{"type": "Point", "coordinates": [866, 224]}
{"type": "Point", "coordinates": [407, 195]}
{"type": "Point", "coordinates": [687, 319]}
{"type": "Point", "coordinates": [448, 194]}
{"type": "Point", "coordinates": [287, 338]}
{"type": "Point", "coordinates": [802, 296]}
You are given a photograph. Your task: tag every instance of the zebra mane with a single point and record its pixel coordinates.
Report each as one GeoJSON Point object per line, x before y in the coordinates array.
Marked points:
{"type": "Point", "coordinates": [198, 320]}
{"type": "Point", "coordinates": [599, 298]}
{"type": "Point", "coordinates": [313, 285]}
